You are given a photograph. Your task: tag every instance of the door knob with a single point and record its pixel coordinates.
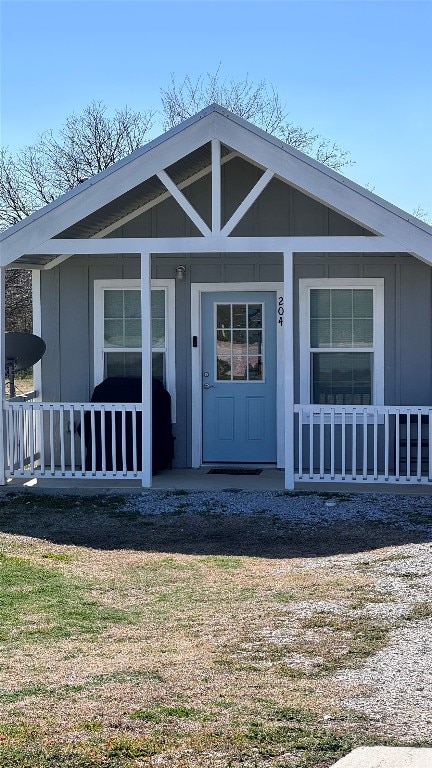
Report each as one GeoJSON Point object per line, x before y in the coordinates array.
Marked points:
{"type": "Point", "coordinates": [208, 386]}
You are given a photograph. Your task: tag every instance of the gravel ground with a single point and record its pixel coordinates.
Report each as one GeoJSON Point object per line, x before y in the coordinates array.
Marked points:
{"type": "Point", "coordinates": [407, 512]}
{"type": "Point", "coordinates": [394, 686]}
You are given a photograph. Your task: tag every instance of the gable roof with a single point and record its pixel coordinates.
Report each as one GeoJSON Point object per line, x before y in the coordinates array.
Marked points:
{"type": "Point", "coordinates": [185, 151]}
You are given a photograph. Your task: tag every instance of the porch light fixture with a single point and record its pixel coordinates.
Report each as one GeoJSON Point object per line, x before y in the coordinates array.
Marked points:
{"type": "Point", "coordinates": [180, 272]}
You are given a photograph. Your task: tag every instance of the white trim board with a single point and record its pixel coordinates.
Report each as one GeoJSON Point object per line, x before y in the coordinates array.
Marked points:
{"type": "Point", "coordinates": [197, 289]}
{"type": "Point", "coordinates": [221, 244]}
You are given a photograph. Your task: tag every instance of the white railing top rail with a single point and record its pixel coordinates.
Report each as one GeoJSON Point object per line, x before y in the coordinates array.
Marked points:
{"type": "Point", "coordinates": [75, 406]}
{"type": "Point", "coordinates": [422, 410]}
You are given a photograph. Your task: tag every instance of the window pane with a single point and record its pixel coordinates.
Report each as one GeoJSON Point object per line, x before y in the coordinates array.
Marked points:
{"type": "Point", "coordinates": [223, 315]}
{"type": "Point", "coordinates": [255, 315]}
{"type": "Point", "coordinates": [255, 342]}
{"type": "Point", "coordinates": [344, 378]}
{"type": "Point", "coordinates": [223, 343]}
{"type": "Point", "coordinates": [132, 336]}
{"type": "Point", "coordinates": [341, 318]}
{"type": "Point", "coordinates": [122, 364]}
{"type": "Point", "coordinates": [158, 333]}
{"type": "Point", "coordinates": [114, 333]}
{"type": "Point", "coordinates": [363, 303]}
{"type": "Point", "coordinates": [363, 333]}
{"type": "Point", "coordinates": [132, 304]}
{"type": "Point", "coordinates": [239, 316]}
{"type": "Point", "coordinates": [341, 303]}
{"type": "Point", "coordinates": [158, 366]}
{"type": "Point", "coordinates": [320, 303]}
{"type": "Point", "coordinates": [320, 333]}
{"type": "Point", "coordinates": [122, 323]}
{"type": "Point", "coordinates": [342, 333]}
{"type": "Point", "coordinates": [223, 369]}
{"type": "Point", "coordinates": [255, 368]}
{"type": "Point", "coordinates": [113, 303]}
{"type": "Point", "coordinates": [158, 304]}
{"type": "Point", "coordinates": [239, 343]}
{"type": "Point", "coordinates": [240, 367]}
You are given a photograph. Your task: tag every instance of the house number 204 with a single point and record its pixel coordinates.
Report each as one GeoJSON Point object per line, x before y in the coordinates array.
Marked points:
{"type": "Point", "coordinates": [280, 310]}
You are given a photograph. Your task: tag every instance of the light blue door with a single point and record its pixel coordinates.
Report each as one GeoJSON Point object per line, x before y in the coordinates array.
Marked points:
{"type": "Point", "coordinates": [239, 376]}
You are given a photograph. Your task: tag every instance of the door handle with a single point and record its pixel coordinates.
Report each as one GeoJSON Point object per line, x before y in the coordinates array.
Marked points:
{"type": "Point", "coordinates": [208, 386]}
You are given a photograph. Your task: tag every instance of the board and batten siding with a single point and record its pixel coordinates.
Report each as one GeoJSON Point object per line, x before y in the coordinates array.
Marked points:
{"type": "Point", "coordinates": [67, 291]}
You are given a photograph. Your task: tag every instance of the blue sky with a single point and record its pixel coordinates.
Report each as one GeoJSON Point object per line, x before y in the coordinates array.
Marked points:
{"type": "Point", "coordinates": [358, 72]}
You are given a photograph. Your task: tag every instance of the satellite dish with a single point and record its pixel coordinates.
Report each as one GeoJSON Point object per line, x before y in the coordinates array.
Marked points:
{"type": "Point", "coordinates": [22, 351]}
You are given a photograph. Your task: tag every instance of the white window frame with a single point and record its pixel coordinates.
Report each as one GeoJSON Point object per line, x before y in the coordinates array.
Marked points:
{"type": "Point", "coordinates": [124, 284]}
{"type": "Point", "coordinates": [377, 286]}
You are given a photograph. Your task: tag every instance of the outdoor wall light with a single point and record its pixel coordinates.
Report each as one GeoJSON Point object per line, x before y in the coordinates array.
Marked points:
{"type": "Point", "coordinates": [180, 272]}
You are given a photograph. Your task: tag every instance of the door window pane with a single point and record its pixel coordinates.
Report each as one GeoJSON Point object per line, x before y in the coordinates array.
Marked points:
{"type": "Point", "coordinates": [239, 315]}
{"type": "Point", "coordinates": [255, 315]}
{"type": "Point", "coordinates": [240, 363]}
{"type": "Point", "coordinates": [239, 342]}
{"type": "Point", "coordinates": [223, 316]}
{"type": "Point", "coordinates": [223, 368]}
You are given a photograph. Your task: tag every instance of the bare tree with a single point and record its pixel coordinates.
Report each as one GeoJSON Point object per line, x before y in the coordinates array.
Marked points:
{"type": "Point", "coordinates": [423, 215]}
{"type": "Point", "coordinates": [258, 103]}
{"type": "Point", "coordinates": [86, 144]}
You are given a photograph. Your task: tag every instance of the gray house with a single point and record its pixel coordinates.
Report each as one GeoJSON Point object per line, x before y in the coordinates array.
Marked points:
{"type": "Point", "coordinates": [286, 309]}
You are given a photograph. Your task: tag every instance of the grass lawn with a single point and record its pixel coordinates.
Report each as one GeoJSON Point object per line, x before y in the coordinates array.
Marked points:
{"type": "Point", "coordinates": [180, 640]}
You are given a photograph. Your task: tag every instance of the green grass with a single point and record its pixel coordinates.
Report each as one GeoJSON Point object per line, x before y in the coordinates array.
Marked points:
{"type": "Point", "coordinates": [39, 603]}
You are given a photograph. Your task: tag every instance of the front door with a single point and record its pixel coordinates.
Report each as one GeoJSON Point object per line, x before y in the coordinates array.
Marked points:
{"type": "Point", "coordinates": [239, 376]}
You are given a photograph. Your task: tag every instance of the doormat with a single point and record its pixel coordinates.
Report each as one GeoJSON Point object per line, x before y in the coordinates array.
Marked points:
{"type": "Point", "coordinates": [230, 471]}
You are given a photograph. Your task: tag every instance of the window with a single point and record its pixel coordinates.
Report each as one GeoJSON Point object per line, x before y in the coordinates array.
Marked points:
{"type": "Point", "coordinates": [239, 342]}
{"type": "Point", "coordinates": [341, 342]}
{"type": "Point", "coordinates": [118, 330]}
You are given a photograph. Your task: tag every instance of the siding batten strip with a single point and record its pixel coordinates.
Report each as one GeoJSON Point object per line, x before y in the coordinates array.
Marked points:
{"type": "Point", "coordinates": [146, 371]}
{"type": "Point", "coordinates": [289, 369]}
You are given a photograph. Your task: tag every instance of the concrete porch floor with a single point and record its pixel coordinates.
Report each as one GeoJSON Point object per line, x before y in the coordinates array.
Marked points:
{"type": "Point", "coordinates": [270, 479]}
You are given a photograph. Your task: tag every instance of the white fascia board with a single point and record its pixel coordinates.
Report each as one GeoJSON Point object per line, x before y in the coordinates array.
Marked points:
{"type": "Point", "coordinates": [327, 186]}
{"type": "Point", "coordinates": [220, 244]}
{"type": "Point", "coordinates": [103, 189]}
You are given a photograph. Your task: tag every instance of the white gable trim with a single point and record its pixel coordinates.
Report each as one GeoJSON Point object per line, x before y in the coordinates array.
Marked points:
{"type": "Point", "coordinates": [215, 123]}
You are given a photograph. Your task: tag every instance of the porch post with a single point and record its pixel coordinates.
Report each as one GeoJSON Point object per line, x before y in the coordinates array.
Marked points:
{"type": "Point", "coordinates": [2, 377]}
{"type": "Point", "coordinates": [146, 370]}
{"type": "Point", "coordinates": [289, 369]}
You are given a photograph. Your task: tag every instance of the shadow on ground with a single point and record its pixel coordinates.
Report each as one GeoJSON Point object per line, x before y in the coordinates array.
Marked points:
{"type": "Point", "coordinates": [105, 522]}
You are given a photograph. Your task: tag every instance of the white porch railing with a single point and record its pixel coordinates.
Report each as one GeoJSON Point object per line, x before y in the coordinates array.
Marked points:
{"type": "Point", "coordinates": [363, 444]}
{"type": "Point", "coordinates": [65, 440]}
